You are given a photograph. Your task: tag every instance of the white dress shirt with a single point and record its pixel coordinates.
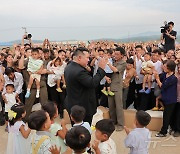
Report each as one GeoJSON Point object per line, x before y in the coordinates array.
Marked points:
{"type": "Point", "coordinates": [18, 82]}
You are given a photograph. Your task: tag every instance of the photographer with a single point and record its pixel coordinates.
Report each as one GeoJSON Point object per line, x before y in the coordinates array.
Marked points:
{"type": "Point", "coordinates": [27, 37]}
{"type": "Point", "coordinates": [168, 37]}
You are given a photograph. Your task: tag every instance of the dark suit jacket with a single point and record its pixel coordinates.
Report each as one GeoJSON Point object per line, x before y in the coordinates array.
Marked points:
{"type": "Point", "coordinates": [81, 87]}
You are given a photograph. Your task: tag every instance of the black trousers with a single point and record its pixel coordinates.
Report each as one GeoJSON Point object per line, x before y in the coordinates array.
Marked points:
{"type": "Point", "coordinates": [138, 95]}
{"type": "Point", "coordinates": [167, 117]}
{"type": "Point", "coordinates": [131, 95]}
{"type": "Point", "coordinates": [175, 123]}
{"type": "Point", "coordinates": [148, 101]}
{"type": "Point", "coordinates": [58, 98]}
{"type": "Point", "coordinates": [106, 83]}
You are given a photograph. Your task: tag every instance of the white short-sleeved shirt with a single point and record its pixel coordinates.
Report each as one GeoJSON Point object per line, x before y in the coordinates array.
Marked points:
{"type": "Point", "coordinates": [138, 140]}
{"type": "Point", "coordinates": [158, 66]}
{"type": "Point", "coordinates": [84, 124]}
{"type": "Point", "coordinates": [58, 72]}
{"type": "Point", "coordinates": [11, 100]}
{"type": "Point", "coordinates": [107, 147]}
{"type": "Point", "coordinates": [138, 71]}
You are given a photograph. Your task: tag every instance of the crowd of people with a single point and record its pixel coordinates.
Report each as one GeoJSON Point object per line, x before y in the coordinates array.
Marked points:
{"type": "Point", "coordinates": [79, 77]}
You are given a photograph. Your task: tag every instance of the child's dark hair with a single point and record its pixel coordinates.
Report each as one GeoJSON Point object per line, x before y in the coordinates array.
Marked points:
{"type": "Point", "coordinates": [45, 50]}
{"type": "Point", "coordinates": [10, 85]}
{"type": "Point", "coordinates": [143, 118]}
{"type": "Point", "coordinates": [121, 50]}
{"type": "Point", "coordinates": [37, 119]}
{"type": "Point", "coordinates": [60, 51]}
{"type": "Point", "coordinates": [138, 46]}
{"type": "Point", "coordinates": [19, 110]}
{"type": "Point", "coordinates": [58, 59]}
{"type": "Point", "coordinates": [78, 138]}
{"type": "Point", "coordinates": [147, 53]}
{"type": "Point", "coordinates": [130, 61]}
{"type": "Point", "coordinates": [9, 70]}
{"type": "Point", "coordinates": [50, 108]}
{"type": "Point", "coordinates": [100, 50]}
{"type": "Point", "coordinates": [35, 50]}
{"type": "Point", "coordinates": [106, 126]}
{"type": "Point", "coordinates": [110, 51]}
{"type": "Point", "coordinates": [78, 113]}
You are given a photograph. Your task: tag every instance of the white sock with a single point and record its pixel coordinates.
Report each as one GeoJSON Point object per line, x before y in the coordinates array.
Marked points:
{"type": "Point", "coordinates": [37, 94]}
{"type": "Point", "coordinates": [28, 90]}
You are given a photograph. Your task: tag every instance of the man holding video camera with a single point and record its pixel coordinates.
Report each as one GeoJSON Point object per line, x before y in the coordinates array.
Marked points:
{"type": "Point", "coordinates": [168, 36]}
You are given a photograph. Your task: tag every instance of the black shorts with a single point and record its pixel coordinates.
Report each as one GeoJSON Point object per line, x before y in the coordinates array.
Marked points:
{"type": "Point", "coordinates": [6, 116]}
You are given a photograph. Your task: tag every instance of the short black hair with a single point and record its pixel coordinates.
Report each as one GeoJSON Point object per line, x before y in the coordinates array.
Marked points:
{"type": "Point", "coordinates": [157, 51]}
{"type": "Point", "coordinates": [19, 110]}
{"type": "Point", "coordinates": [78, 113]}
{"type": "Point", "coordinates": [58, 59]}
{"type": "Point", "coordinates": [100, 50]}
{"type": "Point", "coordinates": [147, 53]}
{"type": "Point", "coordinates": [39, 48]}
{"type": "Point", "coordinates": [143, 118]}
{"type": "Point", "coordinates": [10, 85]}
{"type": "Point", "coordinates": [171, 23]}
{"type": "Point", "coordinates": [35, 50]}
{"type": "Point", "coordinates": [138, 46]}
{"type": "Point", "coordinates": [79, 51]}
{"type": "Point", "coordinates": [171, 65]}
{"type": "Point", "coordinates": [164, 62]}
{"type": "Point", "coordinates": [130, 61]}
{"type": "Point", "coordinates": [28, 49]}
{"type": "Point", "coordinates": [45, 50]}
{"type": "Point", "coordinates": [8, 55]}
{"type": "Point", "coordinates": [60, 51]}
{"type": "Point", "coordinates": [50, 108]}
{"type": "Point", "coordinates": [26, 44]}
{"type": "Point", "coordinates": [105, 126]}
{"type": "Point", "coordinates": [121, 50]}
{"type": "Point", "coordinates": [9, 70]}
{"type": "Point", "coordinates": [109, 51]}
{"type": "Point", "coordinates": [37, 119]}
{"type": "Point", "coordinates": [78, 138]}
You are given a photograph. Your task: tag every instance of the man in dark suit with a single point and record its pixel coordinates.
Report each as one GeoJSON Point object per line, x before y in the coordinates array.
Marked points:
{"type": "Point", "coordinates": [81, 85]}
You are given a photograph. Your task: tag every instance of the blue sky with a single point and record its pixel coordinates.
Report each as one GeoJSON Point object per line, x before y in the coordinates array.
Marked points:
{"type": "Point", "coordinates": [85, 19]}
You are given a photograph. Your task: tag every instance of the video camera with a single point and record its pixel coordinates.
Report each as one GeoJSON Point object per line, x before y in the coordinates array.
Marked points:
{"type": "Point", "coordinates": [165, 27]}
{"type": "Point", "coordinates": [28, 36]}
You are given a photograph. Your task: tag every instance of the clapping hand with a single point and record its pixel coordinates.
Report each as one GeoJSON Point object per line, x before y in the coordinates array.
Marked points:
{"type": "Point", "coordinates": [103, 62]}
{"type": "Point", "coordinates": [54, 150]}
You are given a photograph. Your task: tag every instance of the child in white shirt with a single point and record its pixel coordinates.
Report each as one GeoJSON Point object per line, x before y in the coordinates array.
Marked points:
{"type": "Point", "coordinates": [104, 145]}
{"type": "Point", "coordinates": [56, 73]}
{"type": "Point", "coordinates": [138, 139]}
{"type": "Point", "coordinates": [106, 90]}
{"type": "Point", "coordinates": [147, 70]}
{"type": "Point", "coordinates": [77, 116]}
{"type": "Point", "coordinates": [10, 100]}
{"type": "Point", "coordinates": [35, 64]}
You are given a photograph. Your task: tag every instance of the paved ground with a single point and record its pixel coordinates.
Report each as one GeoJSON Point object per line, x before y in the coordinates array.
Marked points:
{"type": "Point", "coordinates": [167, 145]}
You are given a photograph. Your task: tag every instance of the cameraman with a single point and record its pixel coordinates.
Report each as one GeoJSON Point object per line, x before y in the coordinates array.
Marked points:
{"type": "Point", "coordinates": [169, 37]}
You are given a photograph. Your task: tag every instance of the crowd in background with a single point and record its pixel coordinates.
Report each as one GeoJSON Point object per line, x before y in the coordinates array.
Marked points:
{"type": "Point", "coordinates": [156, 92]}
